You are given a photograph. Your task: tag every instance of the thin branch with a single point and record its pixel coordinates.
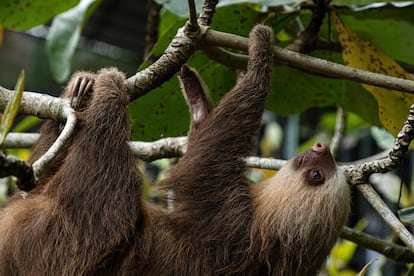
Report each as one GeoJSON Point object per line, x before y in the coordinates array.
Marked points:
{"type": "Point", "coordinates": [339, 131]}
{"type": "Point", "coordinates": [264, 163]}
{"type": "Point", "coordinates": [382, 209]}
{"type": "Point", "coordinates": [66, 133]}
{"type": "Point", "coordinates": [193, 15]}
{"type": "Point", "coordinates": [307, 39]}
{"type": "Point", "coordinates": [163, 148]}
{"type": "Point", "coordinates": [388, 249]}
{"type": "Point", "coordinates": [227, 58]}
{"type": "Point", "coordinates": [313, 64]}
{"type": "Point", "coordinates": [151, 29]}
{"type": "Point", "coordinates": [20, 140]}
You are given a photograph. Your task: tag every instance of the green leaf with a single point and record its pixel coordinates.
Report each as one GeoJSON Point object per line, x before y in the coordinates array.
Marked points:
{"type": "Point", "coordinates": [63, 38]}
{"type": "Point", "coordinates": [180, 8]}
{"type": "Point", "coordinates": [25, 14]}
{"type": "Point", "coordinates": [406, 215]}
{"type": "Point", "coordinates": [27, 123]}
{"type": "Point", "coordinates": [163, 112]}
{"type": "Point", "coordinates": [12, 109]}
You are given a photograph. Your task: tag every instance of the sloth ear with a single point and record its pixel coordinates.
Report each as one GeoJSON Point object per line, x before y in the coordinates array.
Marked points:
{"type": "Point", "coordinates": [196, 96]}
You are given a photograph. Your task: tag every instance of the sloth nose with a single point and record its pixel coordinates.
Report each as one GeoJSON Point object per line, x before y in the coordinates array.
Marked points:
{"type": "Point", "coordinates": [319, 147]}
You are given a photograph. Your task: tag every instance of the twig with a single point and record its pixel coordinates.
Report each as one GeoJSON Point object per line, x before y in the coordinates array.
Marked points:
{"type": "Point", "coordinates": [388, 249]}
{"type": "Point", "coordinates": [339, 131]}
{"type": "Point", "coordinates": [382, 209]}
{"type": "Point", "coordinates": [307, 39]}
{"type": "Point", "coordinates": [193, 15]}
{"type": "Point", "coordinates": [151, 29]}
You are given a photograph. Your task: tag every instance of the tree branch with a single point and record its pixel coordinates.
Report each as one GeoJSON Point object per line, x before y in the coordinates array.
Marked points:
{"type": "Point", "coordinates": [382, 209]}
{"type": "Point", "coordinates": [307, 40]}
{"type": "Point", "coordinates": [388, 249]}
{"type": "Point", "coordinates": [9, 165]}
{"type": "Point", "coordinates": [313, 64]}
{"type": "Point", "coordinates": [339, 131]}
{"type": "Point", "coordinates": [209, 9]}
{"type": "Point", "coordinates": [63, 137]}
{"type": "Point", "coordinates": [36, 104]}
{"type": "Point", "coordinates": [359, 174]}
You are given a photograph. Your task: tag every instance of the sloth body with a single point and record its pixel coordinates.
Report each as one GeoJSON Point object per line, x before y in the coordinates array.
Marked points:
{"type": "Point", "coordinates": [87, 217]}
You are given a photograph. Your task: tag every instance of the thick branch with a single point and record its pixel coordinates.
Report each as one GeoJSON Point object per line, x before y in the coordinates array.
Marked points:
{"type": "Point", "coordinates": [40, 105]}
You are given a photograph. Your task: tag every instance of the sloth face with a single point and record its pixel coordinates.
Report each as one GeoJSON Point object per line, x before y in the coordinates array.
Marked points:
{"type": "Point", "coordinates": [316, 164]}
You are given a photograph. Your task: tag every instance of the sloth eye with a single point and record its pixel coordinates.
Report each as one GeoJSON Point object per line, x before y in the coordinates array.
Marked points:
{"type": "Point", "coordinates": [316, 177]}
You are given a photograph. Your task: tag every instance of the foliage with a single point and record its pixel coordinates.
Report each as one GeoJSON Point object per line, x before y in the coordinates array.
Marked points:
{"type": "Point", "coordinates": [63, 37]}
{"type": "Point", "coordinates": [12, 109]}
{"type": "Point", "coordinates": [293, 91]}
{"type": "Point", "coordinates": [24, 14]}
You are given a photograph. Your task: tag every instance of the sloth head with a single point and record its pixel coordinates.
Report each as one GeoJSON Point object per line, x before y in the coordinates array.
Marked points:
{"type": "Point", "coordinates": [303, 208]}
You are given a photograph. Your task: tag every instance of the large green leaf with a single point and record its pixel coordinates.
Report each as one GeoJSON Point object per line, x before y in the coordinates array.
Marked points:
{"type": "Point", "coordinates": [25, 14]}
{"type": "Point", "coordinates": [63, 38]}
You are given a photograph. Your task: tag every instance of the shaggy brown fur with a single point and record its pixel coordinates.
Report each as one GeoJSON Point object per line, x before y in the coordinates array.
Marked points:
{"type": "Point", "coordinates": [89, 218]}
{"type": "Point", "coordinates": [86, 214]}
{"type": "Point", "coordinates": [79, 88]}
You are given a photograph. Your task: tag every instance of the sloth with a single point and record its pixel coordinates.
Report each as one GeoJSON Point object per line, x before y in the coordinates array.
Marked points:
{"type": "Point", "coordinates": [87, 215]}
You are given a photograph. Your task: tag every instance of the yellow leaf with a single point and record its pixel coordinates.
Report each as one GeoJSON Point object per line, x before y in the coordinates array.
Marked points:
{"type": "Point", "coordinates": [361, 54]}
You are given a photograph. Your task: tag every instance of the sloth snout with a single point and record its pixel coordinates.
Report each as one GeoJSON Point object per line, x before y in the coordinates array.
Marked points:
{"type": "Point", "coordinates": [320, 148]}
